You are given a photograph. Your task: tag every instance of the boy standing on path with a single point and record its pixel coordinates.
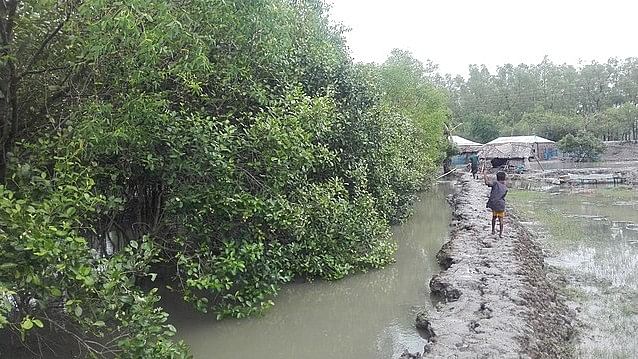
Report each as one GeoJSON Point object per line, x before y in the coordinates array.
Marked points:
{"type": "Point", "coordinates": [497, 199]}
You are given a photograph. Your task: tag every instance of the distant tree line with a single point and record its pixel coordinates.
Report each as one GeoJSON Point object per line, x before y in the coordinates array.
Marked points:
{"type": "Point", "coordinates": [215, 148]}
{"type": "Point", "coordinates": [548, 100]}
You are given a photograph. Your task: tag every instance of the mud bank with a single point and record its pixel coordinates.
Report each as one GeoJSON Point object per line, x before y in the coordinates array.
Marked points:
{"type": "Point", "coordinates": [620, 151]}
{"type": "Point", "coordinates": [496, 296]}
{"type": "Point", "coordinates": [629, 174]}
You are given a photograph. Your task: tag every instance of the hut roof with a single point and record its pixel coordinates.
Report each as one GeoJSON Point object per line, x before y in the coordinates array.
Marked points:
{"type": "Point", "coordinates": [460, 141]}
{"type": "Point", "coordinates": [466, 145]}
{"type": "Point", "coordinates": [520, 139]}
{"type": "Point", "coordinates": [506, 150]}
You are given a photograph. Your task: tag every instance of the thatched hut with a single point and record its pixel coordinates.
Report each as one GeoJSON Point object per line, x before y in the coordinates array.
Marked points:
{"type": "Point", "coordinates": [543, 149]}
{"type": "Point", "coordinates": [466, 146]}
{"type": "Point", "coordinates": [466, 149]}
{"type": "Point", "coordinates": [507, 154]}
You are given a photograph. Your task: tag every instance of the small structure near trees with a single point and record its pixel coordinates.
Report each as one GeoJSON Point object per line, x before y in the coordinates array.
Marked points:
{"type": "Point", "coordinates": [466, 149]}
{"type": "Point", "coordinates": [517, 151]}
{"type": "Point", "coordinates": [542, 148]}
{"type": "Point", "coordinates": [507, 154]}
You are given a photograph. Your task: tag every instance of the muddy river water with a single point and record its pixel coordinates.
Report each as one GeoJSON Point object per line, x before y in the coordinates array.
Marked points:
{"type": "Point", "coordinates": [592, 237]}
{"type": "Point", "coordinates": [369, 315]}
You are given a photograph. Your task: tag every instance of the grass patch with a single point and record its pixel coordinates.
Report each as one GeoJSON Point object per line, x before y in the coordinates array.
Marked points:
{"type": "Point", "coordinates": [523, 195]}
{"type": "Point", "coordinates": [533, 205]}
{"type": "Point", "coordinates": [617, 194]}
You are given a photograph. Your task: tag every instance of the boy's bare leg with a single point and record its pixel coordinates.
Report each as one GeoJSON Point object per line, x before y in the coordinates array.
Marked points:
{"type": "Point", "coordinates": [494, 225]}
{"type": "Point", "coordinates": [500, 226]}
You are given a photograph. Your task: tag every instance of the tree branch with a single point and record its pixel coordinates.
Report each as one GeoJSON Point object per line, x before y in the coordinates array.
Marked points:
{"type": "Point", "coordinates": [35, 72]}
{"type": "Point", "coordinates": [8, 102]}
{"type": "Point", "coordinates": [44, 44]}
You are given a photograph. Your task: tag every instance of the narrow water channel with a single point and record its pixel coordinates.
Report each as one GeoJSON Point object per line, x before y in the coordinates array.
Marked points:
{"type": "Point", "coordinates": [369, 315]}
{"type": "Point", "coordinates": [592, 235]}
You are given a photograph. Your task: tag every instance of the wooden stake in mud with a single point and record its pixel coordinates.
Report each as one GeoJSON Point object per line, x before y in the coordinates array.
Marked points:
{"type": "Point", "coordinates": [539, 163]}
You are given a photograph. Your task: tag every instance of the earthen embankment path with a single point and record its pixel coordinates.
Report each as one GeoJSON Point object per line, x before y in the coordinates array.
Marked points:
{"type": "Point", "coordinates": [496, 297]}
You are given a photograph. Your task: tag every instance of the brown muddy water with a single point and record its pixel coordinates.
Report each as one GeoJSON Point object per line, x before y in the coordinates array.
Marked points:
{"type": "Point", "coordinates": [369, 315]}
{"type": "Point", "coordinates": [592, 237]}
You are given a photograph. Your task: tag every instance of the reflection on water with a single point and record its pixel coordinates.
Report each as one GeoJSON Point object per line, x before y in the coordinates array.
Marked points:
{"type": "Point", "coordinates": [594, 237]}
{"type": "Point", "coordinates": [369, 315]}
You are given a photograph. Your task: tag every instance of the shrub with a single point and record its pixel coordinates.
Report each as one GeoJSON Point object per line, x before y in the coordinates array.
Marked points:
{"type": "Point", "coordinates": [583, 147]}
{"type": "Point", "coordinates": [224, 147]}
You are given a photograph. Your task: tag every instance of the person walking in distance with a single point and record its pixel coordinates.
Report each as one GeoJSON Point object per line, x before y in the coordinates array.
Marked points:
{"type": "Point", "coordinates": [474, 166]}
{"type": "Point", "coordinates": [496, 202]}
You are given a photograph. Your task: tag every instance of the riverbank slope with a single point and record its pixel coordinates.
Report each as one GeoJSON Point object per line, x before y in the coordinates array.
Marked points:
{"type": "Point", "coordinates": [496, 295]}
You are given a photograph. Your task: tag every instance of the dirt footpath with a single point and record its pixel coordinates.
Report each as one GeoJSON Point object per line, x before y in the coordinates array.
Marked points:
{"type": "Point", "coordinates": [496, 298]}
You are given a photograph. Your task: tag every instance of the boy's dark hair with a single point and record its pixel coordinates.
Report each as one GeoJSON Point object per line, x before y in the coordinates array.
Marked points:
{"type": "Point", "coordinates": [500, 176]}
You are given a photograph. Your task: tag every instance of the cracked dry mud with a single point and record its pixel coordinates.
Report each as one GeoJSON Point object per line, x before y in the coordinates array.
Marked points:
{"type": "Point", "coordinates": [495, 298]}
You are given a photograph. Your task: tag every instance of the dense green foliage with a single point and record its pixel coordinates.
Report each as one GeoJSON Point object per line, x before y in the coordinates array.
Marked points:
{"type": "Point", "coordinates": [220, 147]}
{"type": "Point", "coordinates": [582, 147]}
{"type": "Point", "coordinates": [548, 100]}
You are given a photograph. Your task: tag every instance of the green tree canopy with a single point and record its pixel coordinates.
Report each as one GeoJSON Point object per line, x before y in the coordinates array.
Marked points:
{"type": "Point", "coordinates": [548, 99]}
{"type": "Point", "coordinates": [214, 148]}
{"type": "Point", "coordinates": [583, 147]}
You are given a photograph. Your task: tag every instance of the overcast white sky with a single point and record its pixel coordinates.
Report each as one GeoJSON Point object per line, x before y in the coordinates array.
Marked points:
{"type": "Point", "coordinates": [456, 33]}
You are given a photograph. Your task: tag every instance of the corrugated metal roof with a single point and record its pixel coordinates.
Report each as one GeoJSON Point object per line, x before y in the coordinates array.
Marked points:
{"type": "Point", "coordinates": [520, 139]}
